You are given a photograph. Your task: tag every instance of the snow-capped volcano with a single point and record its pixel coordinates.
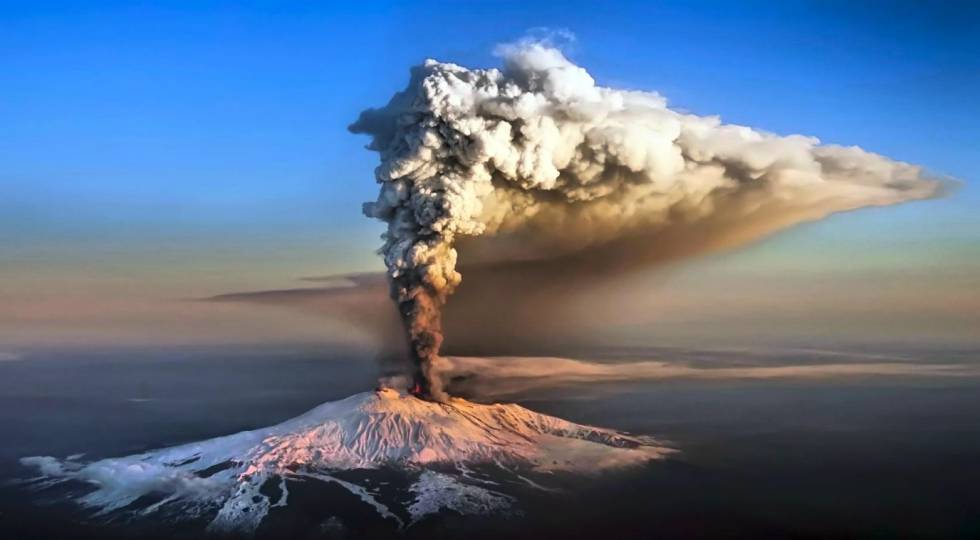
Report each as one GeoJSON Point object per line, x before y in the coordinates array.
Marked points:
{"type": "Point", "coordinates": [371, 430]}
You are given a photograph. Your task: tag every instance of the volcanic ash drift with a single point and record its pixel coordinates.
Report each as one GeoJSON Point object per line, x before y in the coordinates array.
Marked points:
{"type": "Point", "coordinates": [435, 443]}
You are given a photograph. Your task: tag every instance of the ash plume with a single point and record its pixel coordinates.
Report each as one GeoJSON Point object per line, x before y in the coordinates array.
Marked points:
{"type": "Point", "coordinates": [535, 166]}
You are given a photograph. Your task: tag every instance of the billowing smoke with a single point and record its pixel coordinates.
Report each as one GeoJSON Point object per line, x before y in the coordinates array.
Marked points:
{"type": "Point", "coordinates": [536, 164]}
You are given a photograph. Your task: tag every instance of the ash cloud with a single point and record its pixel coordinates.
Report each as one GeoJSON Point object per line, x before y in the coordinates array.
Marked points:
{"type": "Point", "coordinates": [534, 173]}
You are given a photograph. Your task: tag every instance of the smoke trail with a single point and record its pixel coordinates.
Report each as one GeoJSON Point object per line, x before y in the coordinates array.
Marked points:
{"type": "Point", "coordinates": [509, 377]}
{"type": "Point", "coordinates": [536, 162]}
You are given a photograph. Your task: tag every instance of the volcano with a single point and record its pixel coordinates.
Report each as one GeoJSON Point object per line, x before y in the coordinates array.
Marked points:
{"type": "Point", "coordinates": [235, 481]}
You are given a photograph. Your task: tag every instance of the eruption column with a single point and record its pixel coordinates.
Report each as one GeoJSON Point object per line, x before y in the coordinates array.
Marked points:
{"type": "Point", "coordinates": [536, 162]}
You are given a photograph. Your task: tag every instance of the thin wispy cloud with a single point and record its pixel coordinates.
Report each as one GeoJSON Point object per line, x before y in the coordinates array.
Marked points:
{"type": "Point", "coordinates": [498, 377]}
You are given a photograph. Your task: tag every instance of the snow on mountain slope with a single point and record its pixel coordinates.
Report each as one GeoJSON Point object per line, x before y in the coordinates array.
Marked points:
{"type": "Point", "coordinates": [385, 428]}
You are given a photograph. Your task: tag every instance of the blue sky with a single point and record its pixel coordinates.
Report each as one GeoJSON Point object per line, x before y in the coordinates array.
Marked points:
{"type": "Point", "coordinates": [195, 148]}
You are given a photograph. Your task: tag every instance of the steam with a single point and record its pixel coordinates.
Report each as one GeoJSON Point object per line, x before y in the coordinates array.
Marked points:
{"type": "Point", "coordinates": [536, 163]}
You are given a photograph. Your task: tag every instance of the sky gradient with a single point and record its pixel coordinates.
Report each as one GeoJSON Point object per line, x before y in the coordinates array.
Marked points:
{"type": "Point", "coordinates": [154, 154]}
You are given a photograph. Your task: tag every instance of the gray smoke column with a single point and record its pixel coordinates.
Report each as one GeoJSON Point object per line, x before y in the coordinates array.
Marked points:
{"type": "Point", "coordinates": [535, 162]}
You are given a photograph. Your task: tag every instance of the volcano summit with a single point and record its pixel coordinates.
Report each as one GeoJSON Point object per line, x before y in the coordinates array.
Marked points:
{"type": "Point", "coordinates": [436, 447]}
